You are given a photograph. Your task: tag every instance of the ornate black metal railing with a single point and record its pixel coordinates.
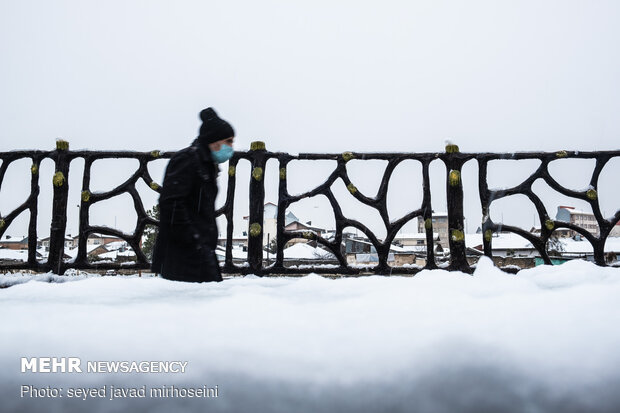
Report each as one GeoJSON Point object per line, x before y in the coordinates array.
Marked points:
{"type": "Point", "coordinates": [258, 157]}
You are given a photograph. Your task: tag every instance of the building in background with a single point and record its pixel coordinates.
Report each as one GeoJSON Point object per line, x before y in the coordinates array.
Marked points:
{"type": "Point", "coordinates": [12, 242]}
{"type": "Point", "coordinates": [440, 226]}
{"type": "Point", "coordinates": [69, 243]}
{"type": "Point", "coordinates": [300, 226]}
{"type": "Point", "coordinates": [414, 239]}
{"type": "Point", "coordinates": [270, 219]}
{"type": "Point", "coordinates": [585, 220]}
{"type": "Point", "coordinates": [239, 241]}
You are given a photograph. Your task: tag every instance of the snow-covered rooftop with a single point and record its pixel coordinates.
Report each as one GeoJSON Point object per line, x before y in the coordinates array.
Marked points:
{"type": "Point", "coordinates": [237, 253]}
{"type": "Point", "coordinates": [17, 255]}
{"type": "Point", "coordinates": [574, 211]}
{"type": "Point", "coordinates": [12, 238]}
{"type": "Point", "coordinates": [72, 252]}
{"type": "Point", "coordinates": [505, 241]}
{"type": "Point", "coordinates": [303, 250]}
{"type": "Point", "coordinates": [584, 247]}
{"type": "Point", "coordinates": [500, 241]}
{"type": "Point", "coordinates": [114, 254]}
{"type": "Point", "coordinates": [408, 248]}
{"type": "Point", "coordinates": [115, 245]}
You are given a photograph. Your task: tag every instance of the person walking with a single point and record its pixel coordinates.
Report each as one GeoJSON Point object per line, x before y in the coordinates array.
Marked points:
{"type": "Point", "coordinates": [185, 246]}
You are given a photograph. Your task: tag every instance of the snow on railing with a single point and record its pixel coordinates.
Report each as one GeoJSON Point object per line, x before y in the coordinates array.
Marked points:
{"type": "Point", "coordinates": [258, 157]}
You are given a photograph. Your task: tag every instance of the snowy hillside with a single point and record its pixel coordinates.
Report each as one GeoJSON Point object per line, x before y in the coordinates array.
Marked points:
{"type": "Point", "coordinates": [545, 340]}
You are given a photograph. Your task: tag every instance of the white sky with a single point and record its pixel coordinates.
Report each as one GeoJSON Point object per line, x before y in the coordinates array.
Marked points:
{"type": "Point", "coordinates": [319, 76]}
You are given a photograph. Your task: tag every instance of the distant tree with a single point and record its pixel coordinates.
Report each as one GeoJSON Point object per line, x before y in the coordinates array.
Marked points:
{"type": "Point", "coordinates": [150, 233]}
{"type": "Point", "coordinates": [322, 254]}
{"type": "Point", "coordinates": [555, 246]}
{"type": "Point", "coordinates": [273, 246]}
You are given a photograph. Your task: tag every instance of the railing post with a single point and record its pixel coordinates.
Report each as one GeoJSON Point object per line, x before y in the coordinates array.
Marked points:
{"type": "Point", "coordinates": [34, 212]}
{"type": "Point", "coordinates": [257, 206]}
{"type": "Point", "coordinates": [454, 193]}
{"type": "Point", "coordinates": [281, 217]}
{"type": "Point", "coordinates": [483, 190]}
{"type": "Point", "coordinates": [230, 205]}
{"type": "Point", "coordinates": [427, 216]}
{"type": "Point", "coordinates": [59, 208]}
{"type": "Point", "coordinates": [82, 256]}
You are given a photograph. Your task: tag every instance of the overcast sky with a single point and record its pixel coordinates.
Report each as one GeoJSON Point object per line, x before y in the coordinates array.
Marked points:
{"type": "Point", "coordinates": [314, 76]}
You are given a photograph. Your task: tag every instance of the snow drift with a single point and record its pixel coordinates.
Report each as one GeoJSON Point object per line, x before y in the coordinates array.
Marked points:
{"type": "Point", "coordinates": [545, 339]}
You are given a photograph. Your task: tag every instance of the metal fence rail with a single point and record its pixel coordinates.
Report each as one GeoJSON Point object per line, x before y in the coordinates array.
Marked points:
{"type": "Point", "coordinates": [258, 157]}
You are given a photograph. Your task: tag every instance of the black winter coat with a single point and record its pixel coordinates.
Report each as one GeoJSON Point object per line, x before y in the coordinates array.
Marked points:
{"type": "Point", "coordinates": [187, 237]}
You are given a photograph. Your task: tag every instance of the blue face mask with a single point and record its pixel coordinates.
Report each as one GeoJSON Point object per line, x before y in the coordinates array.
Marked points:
{"type": "Point", "coordinates": [224, 154]}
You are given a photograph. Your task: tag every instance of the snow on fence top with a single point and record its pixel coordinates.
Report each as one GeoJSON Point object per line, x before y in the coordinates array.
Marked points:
{"type": "Point", "coordinates": [258, 157]}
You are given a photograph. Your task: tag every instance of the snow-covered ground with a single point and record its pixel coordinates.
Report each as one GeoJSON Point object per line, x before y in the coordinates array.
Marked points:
{"type": "Point", "coordinates": [544, 340]}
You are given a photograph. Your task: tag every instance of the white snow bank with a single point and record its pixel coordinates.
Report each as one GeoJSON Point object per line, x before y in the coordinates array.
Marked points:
{"type": "Point", "coordinates": [7, 280]}
{"type": "Point", "coordinates": [545, 339]}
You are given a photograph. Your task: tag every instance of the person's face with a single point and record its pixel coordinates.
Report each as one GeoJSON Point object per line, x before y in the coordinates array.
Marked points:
{"type": "Point", "coordinates": [216, 146]}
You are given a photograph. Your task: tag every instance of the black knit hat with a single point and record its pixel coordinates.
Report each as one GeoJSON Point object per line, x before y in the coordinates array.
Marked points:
{"type": "Point", "coordinates": [213, 127]}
